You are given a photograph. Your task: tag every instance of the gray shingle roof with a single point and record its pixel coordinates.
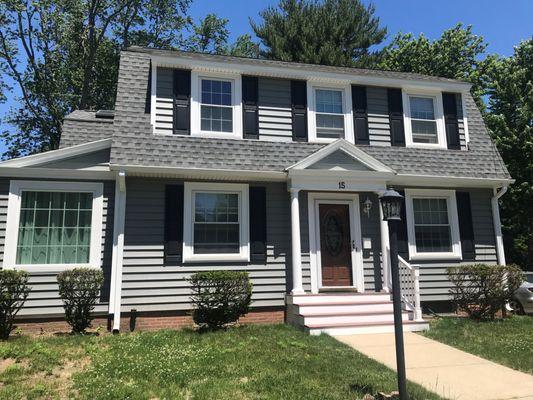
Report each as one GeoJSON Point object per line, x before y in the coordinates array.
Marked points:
{"type": "Point", "coordinates": [134, 143]}
{"type": "Point", "coordinates": [82, 126]}
{"type": "Point", "coordinates": [294, 65]}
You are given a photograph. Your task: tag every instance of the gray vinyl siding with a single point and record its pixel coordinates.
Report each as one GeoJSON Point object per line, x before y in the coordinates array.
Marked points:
{"type": "Point", "coordinates": [434, 283]}
{"type": "Point", "coordinates": [43, 299]}
{"type": "Point", "coordinates": [149, 284]}
{"type": "Point", "coordinates": [339, 160]}
{"type": "Point", "coordinates": [275, 115]}
{"type": "Point", "coordinates": [378, 116]}
{"type": "Point", "coordinates": [164, 107]}
{"type": "Point", "coordinates": [98, 158]}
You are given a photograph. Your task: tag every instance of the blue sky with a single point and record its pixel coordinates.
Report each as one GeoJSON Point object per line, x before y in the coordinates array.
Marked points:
{"type": "Point", "coordinates": [502, 23]}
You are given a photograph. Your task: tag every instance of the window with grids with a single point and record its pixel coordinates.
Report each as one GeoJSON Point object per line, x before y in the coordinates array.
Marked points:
{"type": "Point", "coordinates": [54, 228]}
{"type": "Point", "coordinates": [432, 225]}
{"type": "Point", "coordinates": [216, 223]}
{"type": "Point", "coordinates": [329, 114]}
{"type": "Point", "coordinates": [423, 122]}
{"type": "Point", "coordinates": [216, 106]}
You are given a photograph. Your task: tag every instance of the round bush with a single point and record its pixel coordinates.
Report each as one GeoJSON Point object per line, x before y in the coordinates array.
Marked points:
{"type": "Point", "coordinates": [79, 289]}
{"type": "Point", "coordinates": [14, 290]}
{"type": "Point", "coordinates": [220, 297]}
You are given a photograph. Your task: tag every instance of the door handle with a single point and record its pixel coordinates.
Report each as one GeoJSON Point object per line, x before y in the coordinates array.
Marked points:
{"type": "Point", "coordinates": [353, 245]}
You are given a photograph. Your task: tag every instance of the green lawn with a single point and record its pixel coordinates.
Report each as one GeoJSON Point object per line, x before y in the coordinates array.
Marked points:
{"type": "Point", "coordinates": [249, 362]}
{"type": "Point", "coordinates": [508, 341]}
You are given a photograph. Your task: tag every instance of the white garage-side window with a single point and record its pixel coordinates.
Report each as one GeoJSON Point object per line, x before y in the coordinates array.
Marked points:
{"type": "Point", "coordinates": [216, 223]}
{"type": "Point", "coordinates": [53, 225]}
{"type": "Point", "coordinates": [432, 224]}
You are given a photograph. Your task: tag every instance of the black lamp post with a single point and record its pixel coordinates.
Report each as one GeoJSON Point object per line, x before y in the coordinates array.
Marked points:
{"type": "Point", "coordinates": [391, 203]}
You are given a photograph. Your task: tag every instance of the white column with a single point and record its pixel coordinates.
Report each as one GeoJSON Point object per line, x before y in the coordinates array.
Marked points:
{"type": "Point", "coordinates": [497, 224]}
{"type": "Point", "coordinates": [115, 297]}
{"type": "Point", "coordinates": [385, 250]}
{"type": "Point", "coordinates": [297, 286]}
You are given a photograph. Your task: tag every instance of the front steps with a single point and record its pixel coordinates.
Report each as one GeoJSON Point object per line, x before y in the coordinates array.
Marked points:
{"type": "Point", "coordinates": [347, 314]}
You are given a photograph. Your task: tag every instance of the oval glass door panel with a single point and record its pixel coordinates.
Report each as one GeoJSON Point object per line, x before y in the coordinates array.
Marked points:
{"type": "Point", "coordinates": [335, 248]}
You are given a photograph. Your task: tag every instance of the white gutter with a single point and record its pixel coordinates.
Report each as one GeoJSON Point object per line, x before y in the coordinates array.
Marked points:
{"type": "Point", "coordinates": [497, 223]}
{"type": "Point", "coordinates": [115, 295]}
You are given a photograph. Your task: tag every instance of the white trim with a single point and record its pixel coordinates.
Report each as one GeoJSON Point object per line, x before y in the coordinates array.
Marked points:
{"type": "Point", "coordinates": [13, 219]}
{"type": "Point", "coordinates": [115, 296]}
{"type": "Point", "coordinates": [303, 72]}
{"type": "Point", "coordinates": [352, 199]}
{"type": "Point", "coordinates": [446, 181]}
{"type": "Point", "coordinates": [153, 96]}
{"type": "Point", "coordinates": [451, 202]}
{"type": "Point", "coordinates": [348, 148]}
{"type": "Point", "coordinates": [188, 227]}
{"type": "Point", "coordinates": [56, 173]}
{"type": "Point", "coordinates": [500, 251]}
{"type": "Point", "coordinates": [439, 119]}
{"type": "Point", "coordinates": [236, 99]}
{"type": "Point", "coordinates": [345, 90]}
{"type": "Point", "coordinates": [56, 155]}
{"type": "Point", "coordinates": [465, 118]}
{"type": "Point", "coordinates": [296, 247]}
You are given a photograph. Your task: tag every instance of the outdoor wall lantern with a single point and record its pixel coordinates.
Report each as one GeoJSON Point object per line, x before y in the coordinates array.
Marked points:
{"type": "Point", "coordinates": [367, 206]}
{"type": "Point", "coordinates": [391, 204]}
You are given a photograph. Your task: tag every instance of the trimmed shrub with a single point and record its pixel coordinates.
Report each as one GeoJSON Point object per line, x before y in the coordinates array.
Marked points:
{"type": "Point", "coordinates": [482, 290]}
{"type": "Point", "coordinates": [220, 297]}
{"type": "Point", "coordinates": [79, 289]}
{"type": "Point", "coordinates": [14, 290]}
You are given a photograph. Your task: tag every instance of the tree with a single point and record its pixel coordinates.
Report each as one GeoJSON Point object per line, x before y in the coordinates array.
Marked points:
{"type": "Point", "coordinates": [457, 54]}
{"type": "Point", "coordinates": [510, 120]}
{"type": "Point", "coordinates": [331, 32]}
{"type": "Point", "coordinates": [211, 35]}
{"type": "Point", "coordinates": [62, 55]}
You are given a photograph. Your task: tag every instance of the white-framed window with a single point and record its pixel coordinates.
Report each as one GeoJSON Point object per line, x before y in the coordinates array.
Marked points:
{"type": "Point", "coordinates": [216, 105]}
{"type": "Point", "coordinates": [329, 113]}
{"type": "Point", "coordinates": [424, 120]}
{"type": "Point", "coordinates": [432, 224]}
{"type": "Point", "coordinates": [216, 222]}
{"type": "Point", "coordinates": [52, 226]}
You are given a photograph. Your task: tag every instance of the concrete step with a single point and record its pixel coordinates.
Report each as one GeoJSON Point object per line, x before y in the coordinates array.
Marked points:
{"type": "Point", "coordinates": [354, 317]}
{"type": "Point", "coordinates": [338, 329]}
{"type": "Point", "coordinates": [385, 306]}
{"type": "Point", "coordinates": [338, 298]}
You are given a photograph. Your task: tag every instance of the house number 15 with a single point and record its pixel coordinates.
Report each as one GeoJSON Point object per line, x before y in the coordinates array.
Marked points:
{"type": "Point", "coordinates": [342, 185]}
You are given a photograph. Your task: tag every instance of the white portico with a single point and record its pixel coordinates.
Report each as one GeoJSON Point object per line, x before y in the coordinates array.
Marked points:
{"type": "Point", "coordinates": [333, 179]}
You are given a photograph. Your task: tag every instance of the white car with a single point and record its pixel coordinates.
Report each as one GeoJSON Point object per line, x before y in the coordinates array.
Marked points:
{"type": "Point", "coordinates": [522, 302]}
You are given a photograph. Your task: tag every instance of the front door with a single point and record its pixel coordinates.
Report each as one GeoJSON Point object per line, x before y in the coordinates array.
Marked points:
{"type": "Point", "coordinates": [335, 244]}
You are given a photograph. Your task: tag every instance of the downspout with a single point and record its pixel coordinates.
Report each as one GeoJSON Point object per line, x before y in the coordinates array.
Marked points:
{"type": "Point", "coordinates": [115, 297]}
{"type": "Point", "coordinates": [497, 223]}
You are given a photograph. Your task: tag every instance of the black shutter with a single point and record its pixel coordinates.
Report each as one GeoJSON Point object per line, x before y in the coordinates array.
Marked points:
{"type": "Point", "coordinates": [299, 110]}
{"type": "Point", "coordinates": [258, 224]}
{"type": "Point", "coordinates": [449, 102]}
{"type": "Point", "coordinates": [397, 133]}
{"type": "Point", "coordinates": [250, 109]}
{"type": "Point", "coordinates": [182, 102]}
{"type": "Point", "coordinates": [403, 241]}
{"type": "Point", "coordinates": [360, 116]}
{"type": "Point", "coordinates": [466, 228]}
{"type": "Point", "coordinates": [173, 223]}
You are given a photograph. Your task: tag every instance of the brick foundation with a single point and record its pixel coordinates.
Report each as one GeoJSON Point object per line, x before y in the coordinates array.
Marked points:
{"type": "Point", "coordinates": [146, 321]}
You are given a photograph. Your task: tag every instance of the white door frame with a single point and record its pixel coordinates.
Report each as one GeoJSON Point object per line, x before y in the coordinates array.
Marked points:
{"type": "Point", "coordinates": [352, 200]}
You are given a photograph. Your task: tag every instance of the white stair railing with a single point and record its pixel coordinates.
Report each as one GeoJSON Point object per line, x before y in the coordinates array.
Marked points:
{"type": "Point", "coordinates": [410, 287]}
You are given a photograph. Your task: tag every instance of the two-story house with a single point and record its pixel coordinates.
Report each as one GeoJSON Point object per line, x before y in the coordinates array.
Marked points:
{"type": "Point", "coordinates": [216, 162]}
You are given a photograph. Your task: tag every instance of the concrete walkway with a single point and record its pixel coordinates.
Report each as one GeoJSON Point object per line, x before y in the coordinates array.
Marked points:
{"type": "Point", "coordinates": [442, 369]}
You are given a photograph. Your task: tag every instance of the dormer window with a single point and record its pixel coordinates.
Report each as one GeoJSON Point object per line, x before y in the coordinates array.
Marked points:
{"type": "Point", "coordinates": [329, 114]}
{"type": "Point", "coordinates": [424, 120]}
{"type": "Point", "coordinates": [216, 106]}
